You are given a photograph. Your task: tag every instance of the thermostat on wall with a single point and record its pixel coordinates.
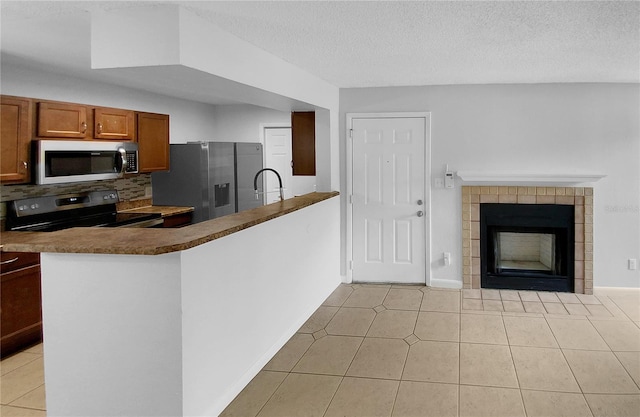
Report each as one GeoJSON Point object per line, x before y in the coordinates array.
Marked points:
{"type": "Point", "coordinates": [448, 179]}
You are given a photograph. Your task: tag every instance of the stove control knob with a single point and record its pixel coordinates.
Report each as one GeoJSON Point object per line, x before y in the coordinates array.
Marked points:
{"type": "Point", "coordinates": [113, 196]}
{"type": "Point", "coordinates": [34, 206]}
{"type": "Point", "coordinates": [22, 208]}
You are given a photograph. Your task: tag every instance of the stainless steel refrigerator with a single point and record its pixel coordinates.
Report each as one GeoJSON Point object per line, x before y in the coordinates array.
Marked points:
{"type": "Point", "coordinates": [215, 178]}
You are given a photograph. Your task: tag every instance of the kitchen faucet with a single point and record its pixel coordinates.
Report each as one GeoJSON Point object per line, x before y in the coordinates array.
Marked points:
{"type": "Point", "coordinates": [255, 182]}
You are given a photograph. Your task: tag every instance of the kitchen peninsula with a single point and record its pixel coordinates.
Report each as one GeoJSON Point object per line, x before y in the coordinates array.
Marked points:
{"type": "Point", "coordinates": [175, 322]}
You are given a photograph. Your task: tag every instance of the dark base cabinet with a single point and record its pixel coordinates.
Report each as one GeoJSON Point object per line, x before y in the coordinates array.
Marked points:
{"type": "Point", "coordinates": [21, 301]}
{"type": "Point", "coordinates": [178, 220]}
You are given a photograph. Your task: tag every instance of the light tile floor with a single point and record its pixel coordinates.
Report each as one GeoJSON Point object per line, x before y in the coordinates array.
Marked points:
{"type": "Point", "coordinates": [391, 350]}
{"type": "Point", "coordinates": [387, 350]}
{"type": "Point", "coordinates": [22, 384]}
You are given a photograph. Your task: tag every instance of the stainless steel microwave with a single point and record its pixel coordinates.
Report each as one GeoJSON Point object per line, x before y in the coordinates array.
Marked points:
{"type": "Point", "coordinates": [60, 161]}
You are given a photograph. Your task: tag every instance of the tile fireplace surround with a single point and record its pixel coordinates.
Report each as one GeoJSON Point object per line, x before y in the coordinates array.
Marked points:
{"type": "Point", "coordinates": [579, 197]}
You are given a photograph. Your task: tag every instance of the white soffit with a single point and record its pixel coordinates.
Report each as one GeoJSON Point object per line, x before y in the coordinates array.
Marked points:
{"type": "Point", "coordinates": [386, 43]}
{"type": "Point", "coordinates": [173, 36]}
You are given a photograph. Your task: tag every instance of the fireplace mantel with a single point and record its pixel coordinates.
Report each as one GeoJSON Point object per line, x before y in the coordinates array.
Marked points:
{"type": "Point", "coordinates": [525, 178]}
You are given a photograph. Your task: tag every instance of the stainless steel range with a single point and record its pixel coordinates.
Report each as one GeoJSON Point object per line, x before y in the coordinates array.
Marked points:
{"type": "Point", "coordinates": [89, 209]}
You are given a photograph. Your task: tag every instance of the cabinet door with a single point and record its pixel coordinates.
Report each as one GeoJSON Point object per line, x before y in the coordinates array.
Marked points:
{"type": "Point", "coordinates": [15, 139]}
{"type": "Point", "coordinates": [20, 299]}
{"type": "Point", "coordinates": [303, 143]}
{"type": "Point", "coordinates": [114, 124]}
{"type": "Point", "coordinates": [11, 261]}
{"type": "Point", "coordinates": [61, 120]}
{"type": "Point", "coordinates": [153, 142]}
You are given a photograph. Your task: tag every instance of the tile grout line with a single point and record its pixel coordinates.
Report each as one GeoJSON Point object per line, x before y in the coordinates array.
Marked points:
{"type": "Point", "coordinates": [324, 413]}
{"type": "Point", "coordinates": [406, 358]}
{"type": "Point", "coordinates": [38, 356]}
{"type": "Point", "coordinates": [626, 370]}
{"type": "Point", "coordinates": [25, 394]}
{"type": "Point", "coordinates": [513, 362]}
{"type": "Point", "coordinates": [616, 304]}
{"type": "Point", "coordinates": [570, 368]}
{"type": "Point", "coordinates": [342, 378]}
{"type": "Point", "coordinates": [459, 347]}
{"type": "Point", "coordinates": [395, 398]}
{"type": "Point", "coordinates": [613, 351]}
{"type": "Point", "coordinates": [21, 407]}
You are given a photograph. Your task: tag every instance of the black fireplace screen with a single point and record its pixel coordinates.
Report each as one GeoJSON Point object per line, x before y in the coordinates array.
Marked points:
{"type": "Point", "coordinates": [527, 247]}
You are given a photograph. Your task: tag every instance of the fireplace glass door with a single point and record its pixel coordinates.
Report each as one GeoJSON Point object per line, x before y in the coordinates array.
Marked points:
{"type": "Point", "coordinates": [527, 247]}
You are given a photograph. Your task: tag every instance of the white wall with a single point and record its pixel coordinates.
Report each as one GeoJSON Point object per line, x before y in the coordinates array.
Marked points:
{"type": "Point", "coordinates": [188, 118]}
{"type": "Point", "coordinates": [112, 341]}
{"type": "Point", "coordinates": [182, 333]}
{"type": "Point", "coordinates": [243, 122]}
{"type": "Point", "coordinates": [246, 294]}
{"type": "Point", "coordinates": [541, 128]}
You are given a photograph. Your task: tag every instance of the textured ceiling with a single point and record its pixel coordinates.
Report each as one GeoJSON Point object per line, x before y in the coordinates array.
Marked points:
{"type": "Point", "coordinates": [362, 44]}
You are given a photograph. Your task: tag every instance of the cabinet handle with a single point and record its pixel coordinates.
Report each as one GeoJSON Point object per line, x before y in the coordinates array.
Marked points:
{"type": "Point", "coordinates": [9, 261]}
{"type": "Point", "coordinates": [84, 127]}
{"type": "Point", "coordinates": [99, 127]}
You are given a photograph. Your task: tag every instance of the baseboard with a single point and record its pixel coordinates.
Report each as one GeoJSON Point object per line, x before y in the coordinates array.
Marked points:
{"type": "Point", "coordinates": [445, 283]}
{"type": "Point", "coordinates": [616, 290]}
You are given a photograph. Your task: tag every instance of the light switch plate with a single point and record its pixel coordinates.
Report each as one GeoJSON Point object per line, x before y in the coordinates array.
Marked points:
{"type": "Point", "coordinates": [633, 264]}
{"type": "Point", "coordinates": [447, 258]}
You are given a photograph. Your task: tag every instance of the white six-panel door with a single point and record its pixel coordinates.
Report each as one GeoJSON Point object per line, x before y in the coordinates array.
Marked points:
{"type": "Point", "coordinates": [388, 199]}
{"type": "Point", "coordinates": [277, 145]}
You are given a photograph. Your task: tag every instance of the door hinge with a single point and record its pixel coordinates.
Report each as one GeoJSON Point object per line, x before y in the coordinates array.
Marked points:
{"type": "Point", "coordinates": [351, 133]}
{"type": "Point", "coordinates": [351, 199]}
{"type": "Point", "coordinates": [351, 265]}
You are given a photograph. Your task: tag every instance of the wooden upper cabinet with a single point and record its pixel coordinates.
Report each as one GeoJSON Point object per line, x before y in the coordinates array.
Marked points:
{"type": "Point", "coordinates": [114, 124]}
{"type": "Point", "coordinates": [24, 119]}
{"type": "Point", "coordinates": [303, 143]}
{"type": "Point", "coordinates": [16, 124]}
{"type": "Point", "coordinates": [153, 142]}
{"type": "Point", "coordinates": [63, 120]}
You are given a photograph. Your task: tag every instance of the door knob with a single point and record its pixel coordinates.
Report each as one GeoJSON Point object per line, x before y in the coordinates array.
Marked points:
{"type": "Point", "coordinates": [420, 213]}
{"type": "Point", "coordinates": [419, 202]}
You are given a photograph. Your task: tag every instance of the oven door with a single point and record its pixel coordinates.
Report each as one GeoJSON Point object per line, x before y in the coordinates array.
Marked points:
{"type": "Point", "coordinates": [156, 222]}
{"type": "Point", "coordinates": [76, 161]}
{"type": "Point", "coordinates": [145, 224]}
{"type": "Point", "coordinates": [139, 220]}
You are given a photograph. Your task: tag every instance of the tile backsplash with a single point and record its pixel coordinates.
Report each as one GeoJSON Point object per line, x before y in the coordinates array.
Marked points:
{"type": "Point", "coordinates": [129, 188]}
